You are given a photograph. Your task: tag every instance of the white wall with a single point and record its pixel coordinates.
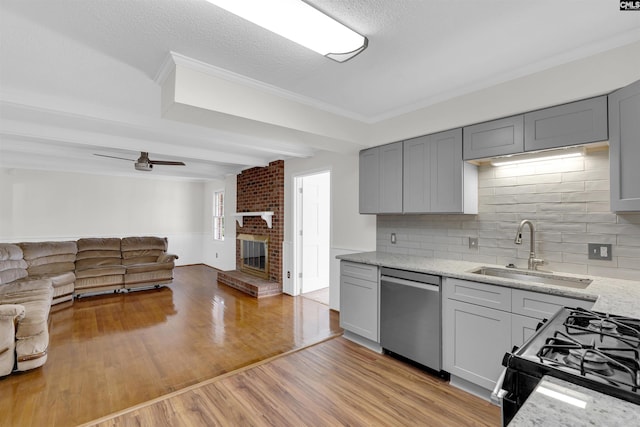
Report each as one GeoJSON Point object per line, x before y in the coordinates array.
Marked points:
{"type": "Point", "coordinates": [350, 231]}
{"type": "Point", "coordinates": [40, 205]}
{"type": "Point", "coordinates": [584, 78]}
{"type": "Point", "coordinates": [220, 254]}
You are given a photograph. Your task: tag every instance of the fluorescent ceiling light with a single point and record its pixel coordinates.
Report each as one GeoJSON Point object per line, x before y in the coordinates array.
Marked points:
{"type": "Point", "coordinates": [301, 23]}
{"type": "Point", "coordinates": [538, 156]}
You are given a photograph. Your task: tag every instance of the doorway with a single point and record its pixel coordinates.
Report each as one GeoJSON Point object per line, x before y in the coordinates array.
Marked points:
{"type": "Point", "coordinates": [313, 231]}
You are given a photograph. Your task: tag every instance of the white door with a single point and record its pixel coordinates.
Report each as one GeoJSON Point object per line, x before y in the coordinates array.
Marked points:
{"type": "Point", "coordinates": [313, 231]}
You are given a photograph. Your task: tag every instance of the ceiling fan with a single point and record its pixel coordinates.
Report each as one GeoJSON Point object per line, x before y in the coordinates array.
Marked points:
{"type": "Point", "coordinates": [144, 163]}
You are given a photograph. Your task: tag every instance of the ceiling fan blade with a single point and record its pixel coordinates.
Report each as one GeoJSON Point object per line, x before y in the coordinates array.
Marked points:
{"type": "Point", "coordinates": [113, 157]}
{"type": "Point", "coordinates": [167, 163]}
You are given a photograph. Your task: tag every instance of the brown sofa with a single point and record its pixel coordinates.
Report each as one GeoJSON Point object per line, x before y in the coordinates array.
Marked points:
{"type": "Point", "coordinates": [127, 263]}
{"type": "Point", "coordinates": [35, 275]}
{"type": "Point", "coordinates": [24, 311]}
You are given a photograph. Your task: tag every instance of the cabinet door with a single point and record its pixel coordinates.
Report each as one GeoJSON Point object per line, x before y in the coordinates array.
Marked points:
{"type": "Point", "coordinates": [624, 148]}
{"type": "Point", "coordinates": [522, 327]}
{"type": "Point", "coordinates": [446, 172]}
{"type": "Point", "coordinates": [369, 187]}
{"type": "Point", "coordinates": [495, 138]}
{"type": "Point", "coordinates": [579, 122]}
{"type": "Point", "coordinates": [417, 175]}
{"type": "Point", "coordinates": [391, 178]}
{"type": "Point", "coordinates": [474, 341]}
{"type": "Point", "coordinates": [359, 306]}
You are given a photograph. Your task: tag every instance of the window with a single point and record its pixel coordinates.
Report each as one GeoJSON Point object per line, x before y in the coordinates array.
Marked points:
{"type": "Point", "coordinates": [218, 215]}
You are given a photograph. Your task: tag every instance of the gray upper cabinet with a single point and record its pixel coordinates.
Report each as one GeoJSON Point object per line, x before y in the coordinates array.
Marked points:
{"type": "Point", "coordinates": [391, 178]}
{"type": "Point", "coordinates": [624, 148]}
{"type": "Point", "coordinates": [494, 138]}
{"type": "Point", "coordinates": [380, 175]}
{"type": "Point", "coordinates": [576, 123]}
{"type": "Point", "coordinates": [436, 180]}
{"type": "Point", "coordinates": [369, 177]}
{"type": "Point", "coordinates": [417, 175]}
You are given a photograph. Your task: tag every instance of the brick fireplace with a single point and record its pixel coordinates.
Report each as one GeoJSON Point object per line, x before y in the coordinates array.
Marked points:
{"type": "Point", "coordinates": [260, 189]}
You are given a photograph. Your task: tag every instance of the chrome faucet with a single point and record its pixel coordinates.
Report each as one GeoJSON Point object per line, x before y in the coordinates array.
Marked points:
{"type": "Point", "coordinates": [533, 261]}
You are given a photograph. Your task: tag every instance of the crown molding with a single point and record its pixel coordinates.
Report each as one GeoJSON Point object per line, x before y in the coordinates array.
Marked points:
{"type": "Point", "coordinates": [174, 59]}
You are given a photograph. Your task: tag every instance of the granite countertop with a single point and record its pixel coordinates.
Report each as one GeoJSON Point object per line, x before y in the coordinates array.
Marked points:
{"type": "Point", "coordinates": [615, 296]}
{"type": "Point", "coordinates": [555, 402]}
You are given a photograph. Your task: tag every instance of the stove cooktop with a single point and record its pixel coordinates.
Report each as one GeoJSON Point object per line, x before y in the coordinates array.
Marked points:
{"type": "Point", "coordinates": [593, 349]}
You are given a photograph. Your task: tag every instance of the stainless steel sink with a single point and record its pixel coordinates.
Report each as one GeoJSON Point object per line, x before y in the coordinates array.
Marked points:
{"type": "Point", "coordinates": [534, 276]}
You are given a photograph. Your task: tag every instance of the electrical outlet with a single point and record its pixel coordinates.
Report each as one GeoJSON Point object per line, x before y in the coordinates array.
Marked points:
{"type": "Point", "coordinates": [473, 243]}
{"type": "Point", "coordinates": [216, 254]}
{"type": "Point", "coordinates": [393, 238]}
{"type": "Point", "coordinates": [288, 275]}
{"type": "Point", "coordinates": [601, 251]}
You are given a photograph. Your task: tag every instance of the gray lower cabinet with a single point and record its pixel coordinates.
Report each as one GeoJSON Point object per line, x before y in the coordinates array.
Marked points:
{"type": "Point", "coordinates": [435, 179]}
{"type": "Point", "coordinates": [359, 296]}
{"type": "Point", "coordinates": [380, 179]}
{"type": "Point", "coordinates": [580, 122]}
{"type": "Point", "coordinates": [474, 340]}
{"type": "Point", "coordinates": [481, 322]}
{"type": "Point", "coordinates": [624, 148]}
{"type": "Point", "coordinates": [494, 138]}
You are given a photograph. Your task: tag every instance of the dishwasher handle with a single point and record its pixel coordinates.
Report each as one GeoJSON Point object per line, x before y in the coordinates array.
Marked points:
{"type": "Point", "coordinates": [404, 282]}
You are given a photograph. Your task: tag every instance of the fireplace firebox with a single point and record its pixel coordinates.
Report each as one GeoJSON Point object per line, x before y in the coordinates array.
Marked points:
{"type": "Point", "coordinates": [254, 255]}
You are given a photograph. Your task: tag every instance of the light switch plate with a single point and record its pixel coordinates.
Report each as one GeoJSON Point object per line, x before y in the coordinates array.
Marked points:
{"type": "Point", "coordinates": [393, 238]}
{"type": "Point", "coordinates": [601, 251]}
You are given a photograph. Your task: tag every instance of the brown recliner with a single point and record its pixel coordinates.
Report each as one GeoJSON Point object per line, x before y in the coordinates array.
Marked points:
{"type": "Point", "coordinates": [24, 312]}
{"type": "Point", "coordinates": [147, 261]}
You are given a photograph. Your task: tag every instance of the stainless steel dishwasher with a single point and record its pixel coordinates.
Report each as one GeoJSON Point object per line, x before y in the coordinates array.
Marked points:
{"type": "Point", "coordinates": [410, 314]}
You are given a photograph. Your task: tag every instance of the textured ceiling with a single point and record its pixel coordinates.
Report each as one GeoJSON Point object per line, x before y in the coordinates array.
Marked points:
{"type": "Point", "coordinates": [89, 66]}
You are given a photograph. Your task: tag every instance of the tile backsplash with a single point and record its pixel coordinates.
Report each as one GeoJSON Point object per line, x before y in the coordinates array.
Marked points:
{"type": "Point", "coordinates": [567, 200]}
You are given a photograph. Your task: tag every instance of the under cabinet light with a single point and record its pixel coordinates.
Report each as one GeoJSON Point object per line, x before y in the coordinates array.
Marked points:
{"type": "Point", "coordinates": [539, 156]}
{"type": "Point", "coordinates": [301, 23]}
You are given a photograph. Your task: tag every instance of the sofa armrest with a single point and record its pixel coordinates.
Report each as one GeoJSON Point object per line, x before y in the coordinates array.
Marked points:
{"type": "Point", "coordinates": [165, 257]}
{"type": "Point", "coordinates": [11, 311]}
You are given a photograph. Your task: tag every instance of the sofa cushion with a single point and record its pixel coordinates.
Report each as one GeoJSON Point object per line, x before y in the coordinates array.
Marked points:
{"type": "Point", "coordinates": [8, 276]}
{"type": "Point", "coordinates": [51, 269]}
{"type": "Point", "coordinates": [10, 252]}
{"type": "Point", "coordinates": [142, 253]}
{"type": "Point", "coordinates": [99, 244]}
{"type": "Point", "coordinates": [107, 270]}
{"type": "Point", "coordinates": [98, 254]}
{"type": "Point", "coordinates": [144, 243]}
{"type": "Point", "coordinates": [27, 289]}
{"type": "Point", "coordinates": [33, 250]}
{"type": "Point", "coordinates": [151, 266]}
{"type": "Point", "coordinates": [13, 264]}
{"type": "Point", "coordinates": [51, 259]}
{"type": "Point", "coordinates": [89, 263]}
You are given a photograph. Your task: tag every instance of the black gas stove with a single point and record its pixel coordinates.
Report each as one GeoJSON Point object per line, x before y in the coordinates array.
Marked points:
{"type": "Point", "coordinates": [592, 349]}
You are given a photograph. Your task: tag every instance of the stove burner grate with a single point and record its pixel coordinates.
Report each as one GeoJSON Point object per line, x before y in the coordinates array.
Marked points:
{"type": "Point", "coordinates": [563, 350]}
{"type": "Point", "coordinates": [584, 322]}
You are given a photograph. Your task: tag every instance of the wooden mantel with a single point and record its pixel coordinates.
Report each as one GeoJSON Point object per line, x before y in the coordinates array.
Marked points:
{"type": "Point", "coordinates": [266, 216]}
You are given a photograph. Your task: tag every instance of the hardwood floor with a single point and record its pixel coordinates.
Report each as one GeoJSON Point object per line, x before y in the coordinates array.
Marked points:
{"type": "Point", "coordinates": [110, 352]}
{"type": "Point", "coordinates": [335, 383]}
